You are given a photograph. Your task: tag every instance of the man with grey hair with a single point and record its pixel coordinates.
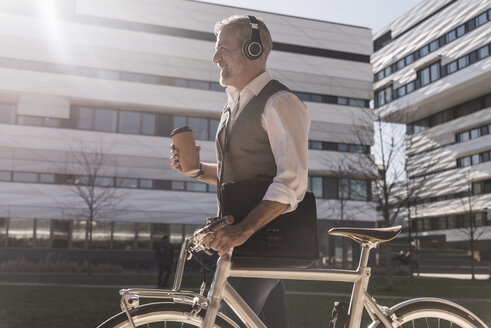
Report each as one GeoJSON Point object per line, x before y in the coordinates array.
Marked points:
{"type": "Point", "coordinates": [263, 135]}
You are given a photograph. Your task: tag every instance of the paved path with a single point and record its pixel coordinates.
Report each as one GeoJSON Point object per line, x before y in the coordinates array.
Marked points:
{"type": "Point", "coordinates": [288, 292]}
{"type": "Point", "coordinates": [463, 276]}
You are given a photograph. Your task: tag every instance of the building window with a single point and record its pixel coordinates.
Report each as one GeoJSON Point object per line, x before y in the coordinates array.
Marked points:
{"type": "Point", "coordinates": [429, 74]}
{"type": "Point", "coordinates": [101, 234]}
{"type": "Point", "coordinates": [483, 52]}
{"type": "Point", "coordinates": [7, 114]}
{"type": "Point", "coordinates": [143, 235]}
{"type": "Point", "coordinates": [199, 127]}
{"type": "Point", "coordinates": [25, 177]}
{"type": "Point", "coordinates": [79, 234]}
{"type": "Point", "coordinates": [5, 176]}
{"type": "Point", "coordinates": [340, 188]}
{"type": "Point", "coordinates": [85, 118]}
{"type": "Point", "coordinates": [400, 64]}
{"type": "Point", "coordinates": [424, 51]}
{"type": "Point", "coordinates": [105, 120]}
{"type": "Point", "coordinates": [380, 97]}
{"type": "Point", "coordinates": [60, 231]}
{"type": "Point", "coordinates": [401, 91]}
{"type": "Point", "coordinates": [481, 187]}
{"type": "Point", "coordinates": [317, 145]}
{"type": "Point", "coordinates": [450, 36]}
{"type": "Point", "coordinates": [148, 124]}
{"type": "Point", "coordinates": [316, 186]}
{"type": "Point", "coordinates": [124, 234]}
{"type": "Point", "coordinates": [463, 62]}
{"type": "Point", "coordinates": [29, 120]}
{"type": "Point", "coordinates": [129, 122]}
{"type": "Point", "coordinates": [474, 159]}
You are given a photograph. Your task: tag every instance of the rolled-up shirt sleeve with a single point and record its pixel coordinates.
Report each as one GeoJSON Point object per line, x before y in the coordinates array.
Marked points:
{"type": "Point", "coordinates": [287, 121]}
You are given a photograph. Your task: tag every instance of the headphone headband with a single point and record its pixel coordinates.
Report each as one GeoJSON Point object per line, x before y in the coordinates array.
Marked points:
{"type": "Point", "coordinates": [253, 48]}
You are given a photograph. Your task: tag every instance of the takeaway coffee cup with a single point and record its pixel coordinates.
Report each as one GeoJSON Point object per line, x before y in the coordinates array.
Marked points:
{"type": "Point", "coordinates": [183, 140]}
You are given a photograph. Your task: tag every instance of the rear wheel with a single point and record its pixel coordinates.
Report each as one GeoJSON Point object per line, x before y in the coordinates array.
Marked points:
{"type": "Point", "coordinates": [163, 315]}
{"type": "Point", "coordinates": [434, 314]}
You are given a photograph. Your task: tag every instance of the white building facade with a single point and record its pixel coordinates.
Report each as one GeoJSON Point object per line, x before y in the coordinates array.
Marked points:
{"type": "Point", "coordinates": [115, 77]}
{"type": "Point", "coordinates": [432, 72]}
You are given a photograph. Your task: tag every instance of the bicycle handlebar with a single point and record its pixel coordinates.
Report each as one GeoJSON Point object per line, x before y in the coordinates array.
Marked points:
{"type": "Point", "coordinates": [212, 225]}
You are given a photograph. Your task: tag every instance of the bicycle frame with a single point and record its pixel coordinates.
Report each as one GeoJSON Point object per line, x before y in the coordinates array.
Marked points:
{"type": "Point", "coordinates": [220, 289]}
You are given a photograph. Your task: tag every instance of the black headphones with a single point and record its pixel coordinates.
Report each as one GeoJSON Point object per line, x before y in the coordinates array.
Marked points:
{"type": "Point", "coordinates": [253, 48]}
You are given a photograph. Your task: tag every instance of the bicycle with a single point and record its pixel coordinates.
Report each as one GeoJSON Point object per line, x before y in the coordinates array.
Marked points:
{"type": "Point", "coordinates": [190, 309]}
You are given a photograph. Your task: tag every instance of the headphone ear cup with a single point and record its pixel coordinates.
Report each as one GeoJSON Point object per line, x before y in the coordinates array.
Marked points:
{"type": "Point", "coordinates": [252, 49]}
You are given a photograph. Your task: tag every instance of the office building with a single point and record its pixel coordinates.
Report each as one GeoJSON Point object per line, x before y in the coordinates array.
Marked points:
{"type": "Point", "coordinates": [83, 78]}
{"type": "Point", "coordinates": [432, 72]}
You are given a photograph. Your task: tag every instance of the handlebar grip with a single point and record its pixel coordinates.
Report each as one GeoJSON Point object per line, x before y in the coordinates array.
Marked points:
{"type": "Point", "coordinates": [217, 225]}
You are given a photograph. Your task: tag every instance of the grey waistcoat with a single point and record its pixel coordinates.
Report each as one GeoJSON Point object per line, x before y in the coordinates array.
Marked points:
{"type": "Point", "coordinates": [247, 154]}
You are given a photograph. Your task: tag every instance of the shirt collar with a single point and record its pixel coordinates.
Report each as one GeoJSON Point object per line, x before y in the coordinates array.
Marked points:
{"type": "Point", "coordinates": [254, 87]}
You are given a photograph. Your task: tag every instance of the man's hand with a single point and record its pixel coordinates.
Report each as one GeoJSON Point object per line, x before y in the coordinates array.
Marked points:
{"type": "Point", "coordinates": [174, 159]}
{"type": "Point", "coordinates": [226, 238]}
{"type": "Point", "coordinates": [235, 235]}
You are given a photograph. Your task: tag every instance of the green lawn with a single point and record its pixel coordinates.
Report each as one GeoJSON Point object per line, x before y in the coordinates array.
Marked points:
{"type": "Point", "coordinates": [47, 306]}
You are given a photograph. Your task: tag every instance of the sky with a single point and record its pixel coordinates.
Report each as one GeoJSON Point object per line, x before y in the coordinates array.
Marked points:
{"type": "Point", "coordinates": [374, 14]}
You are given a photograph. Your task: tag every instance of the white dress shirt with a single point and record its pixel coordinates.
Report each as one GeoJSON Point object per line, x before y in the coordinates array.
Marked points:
{"type": "Point", "coordinates": [287, 121]}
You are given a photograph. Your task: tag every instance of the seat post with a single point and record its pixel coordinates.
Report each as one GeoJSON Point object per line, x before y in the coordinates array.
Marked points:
{"type": "Point", "coordinates": [366, 247]}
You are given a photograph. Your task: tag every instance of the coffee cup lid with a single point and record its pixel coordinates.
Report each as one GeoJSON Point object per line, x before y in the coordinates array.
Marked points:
{"type": "Point", "coordinates": [180, 130]}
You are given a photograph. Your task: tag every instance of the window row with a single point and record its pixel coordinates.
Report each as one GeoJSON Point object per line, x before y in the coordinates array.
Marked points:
{"type": "Point", "coordinates": [107, 182]}
{"type": "Point", "coordinates": [474, 159]}
{"type": "Point", "coordinates": [142, 123]}
{"type": "Point", "coordinates": [159, 80]}
{"type": "Point", "coordinates": [327, 99]}
{"type": "Point", "coordinates": [342, 147]}
{"type": "Point", "coordinates": [322, 187]}
{"type": "Point", "coordinates": [473, 134]}
{"type": "Point", "coordinates": [478, 188]}
{"type": "Point", "coordinates": [455, 221]}
{"type": "Point", "coordinates": [340, 188]}
{"type": "Point", "coordinates": [116, 121]}
{"type": "Point", "coordinates": [443, 40]}
{"type": "Point", "coordinates": [429, 75]}
{"type": "Point", "coordinates": [74, 234]}
{"type": "Point", "coordinates": [450, 114]}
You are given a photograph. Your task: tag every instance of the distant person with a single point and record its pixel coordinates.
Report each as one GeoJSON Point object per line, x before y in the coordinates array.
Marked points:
{"type": "Point", "coordinates": [165, 256]}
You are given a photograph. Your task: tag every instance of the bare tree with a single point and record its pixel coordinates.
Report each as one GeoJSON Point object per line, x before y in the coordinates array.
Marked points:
{"type": "Point", "coordinates": [94, 186]}
{"type": "Point", "coordinates": [347, 199]}
{"type": "Point", "coordinates": [419, 174]}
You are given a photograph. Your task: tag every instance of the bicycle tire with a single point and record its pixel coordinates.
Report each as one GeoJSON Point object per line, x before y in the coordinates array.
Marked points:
{"type": "Point", "coordinates": [433, 313]}
{"type": "Point", "coordinates": [170, 315]}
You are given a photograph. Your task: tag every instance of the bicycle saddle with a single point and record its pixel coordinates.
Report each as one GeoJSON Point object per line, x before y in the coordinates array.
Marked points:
{"type": "Point", "coordinates": [373, 235]}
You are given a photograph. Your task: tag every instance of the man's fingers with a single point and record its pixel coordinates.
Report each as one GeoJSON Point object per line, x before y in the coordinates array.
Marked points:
{"type": "Point", "coordinates": [209, 238]}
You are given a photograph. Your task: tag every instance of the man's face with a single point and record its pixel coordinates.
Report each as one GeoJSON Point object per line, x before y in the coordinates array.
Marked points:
{"type": "Point", "coordinates": [228, 56]}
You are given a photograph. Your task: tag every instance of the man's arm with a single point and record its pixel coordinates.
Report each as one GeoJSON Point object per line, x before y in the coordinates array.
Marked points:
{"type": "Point", "coordinates": [209, 173]}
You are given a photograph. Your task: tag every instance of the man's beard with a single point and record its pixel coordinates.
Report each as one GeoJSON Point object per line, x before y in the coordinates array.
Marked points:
{"type": "Point", "coordinates": [224, 77]}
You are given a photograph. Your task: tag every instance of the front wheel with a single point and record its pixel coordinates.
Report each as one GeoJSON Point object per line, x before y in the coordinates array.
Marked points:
{"type": "Point", "coordinates": [167, 315]}
{"type": "Point", "coordinates": [432, 313]}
